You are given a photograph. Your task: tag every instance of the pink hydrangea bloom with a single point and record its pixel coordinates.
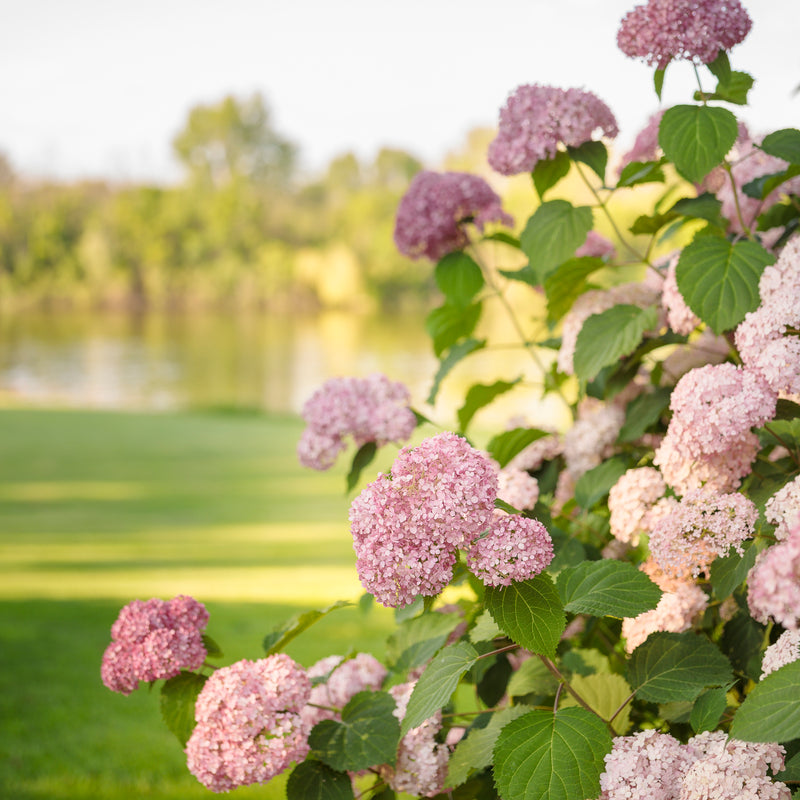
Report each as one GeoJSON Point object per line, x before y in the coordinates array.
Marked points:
{"type": "Point", "coordinates": [407, 527]}
{"type": "Point", "coordinates": [675, 613]}
{"type": "Point", "coordinates": [694, 30]}
{"type": "Point", "coordinates": [537, 119]}
{"type": "Point", "coordinates": [645, 146]}
{"type": "Point", "coordinates": [702, 527]}
{"type": "Point", "coordinates": [516, 549]}
{"type": "Point", "coordinates": [630, 500]}
{"type": "Point", "coordinates": [783, 509]}
{"type": "Point", "coordinates": [153, 640]}
{"type": "Point", "coordinates": [536, 453]}
{"type": "Point", "coordinates": [421, 766]}
{"type": "Point", "coordinates": [517, 488]}
{"type": "Point", "coordinates": [680, 317]}
{"type": "Point", "coordinates": [249, 728]}
{"type": "Point", "coordinates": [785, 650]}
{"type": "Point", "coordinates": [432, 213]}
{"type": "Point", "coordinates": [345, 679]}
{"type": "Point", "coordinates": [596, 246]}
{"type": "Point", "coordinates": [729, 769]}
{"type": "Point", "coordinates": [773, 585]}
{"type": "Point", "coordinates": [592, 438]}
{"type": "Point", "coordinates": [372, 409]}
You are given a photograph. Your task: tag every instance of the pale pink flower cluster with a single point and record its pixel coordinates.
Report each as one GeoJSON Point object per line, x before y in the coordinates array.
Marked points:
{"type": "Point", "coordinates": [536, 453]}
{"type": "Point", "coordinates": [153, 640]}
{"type": "Point", "coordinates": [645, 146]}
{"type": "Point", "coordinates": [631, 502]}
{"type": "Point", "coordinates": [421, 766]}
{"type": "Point", "coordinates": [517, 488]}
{"type": "Point", "coordinates": [592, 438]}
{"type": "Point", "coordinates": [676, 612]}
{"type": "Point", "coordinates": [372, 409]}
{"type": "Point", "coordinates": [432, 213]}
{"type": "Point", "coordinates": [596, 301]}
{"type": "Point", "coordinates": [655, 766]}
{"type": "Point", "coordinates": [709, 441]}
{"type": "Point", "coordinates": [785, 650]}
{"type": "Point", "coordinates": [783, 509]}
{"type": "Point", "coordinates": [740, 209]}
{"type": "Point", "coordinates": [773, 585]}
{"type": "Point", "coordinates": [249, 728]}
{"type": "Point", "coordinates": [680, 317]}
{"type": "Point", "coordinates": [596, 246]}
{"type": "Point", "coordinates": [515, 549]}
{"type": "Point", "coordinates": [761, 337]}
{"type": "Point", "coordinates": [694, 30]}
{"type": "Point", "coordinates": [702, 527]}
{"type": "Point", "coordinates": [536, 119]}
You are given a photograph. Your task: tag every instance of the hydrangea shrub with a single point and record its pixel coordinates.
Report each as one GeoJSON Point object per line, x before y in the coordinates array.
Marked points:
{"type": "Point", "coordinates": [605, 609]}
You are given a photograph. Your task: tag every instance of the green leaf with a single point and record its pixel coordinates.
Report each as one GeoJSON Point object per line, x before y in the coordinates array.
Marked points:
{"type": "Point", "coordinates": [658, 81]}
{"type": "Point", "coordinates": [362, 459]}
{"type": "Point", "coordinates": [437, 683]}
{"type": "Point", "coordinates": [448, 323]}
{"type": "Point", "coordinates": [792, 770]}
{"type": "Point", "coordinates": [784, 144]}
{"type": "Point", "coordinates": [636, 172]}
{"type": "Point", "coordinates": [768, 183]}
{"type": "Point", "coordinates": [697, 138]}
{"type": "Point", "coordinates": [481, 395]}
{"type": "Point", "coordinates": [605, 693]}
{"type": "Point", "coordinates": [367, 736]}
{"type": "Point", "coordinates": [549, 171]}
{"type": "Point", "coordinates": [704, 206]}
{"type": "Point", "coordinates": [708, 709]}
{"type": "Point", "coordinates": [456, 353]}
{"type": "Point", "coordinates": [178, 696]}
{"type": "Point", "coordinates": [730, 572]}
{"type": "Point", "coordinates": [778, 216]}
{"type": "Point", "coordinates": [213, 650]}
{"type": "Point", "coordinates": [771, 712]}
{"type": "Point", "coordinates": [529, 612]}
{"type": "Point", "coordinates": [313, 780]}
{"type": "Point", "coordinates": [485, 628]}
{"type": "Point", "coordinates": [524, 275]}
{"type": "Point", "coordinates": [503, 447]}
{"type": "Point", "coordinates": [642, 412]}
{"type": "Point", "coordinates": [502, 236]}
{"type": "Point", "coordinates": [417, 640]}
{"type": "Point", "coordinates": [741, 641]}
{"type": "Point", "coordinates": [474, 753]}
{"type": "Point", "coordinates": [734, 90]}
{"type": "Point", "coordinates": [567, 283]}
{"type": "Point", "coordinates": [553, 234]}
{"type": "Point", "coordinates": [546, 756]}
{"type": "Point", "coordinates": [607, 588]}
{"type": "Point", "coordinates": [606, 337]}
{"type": "Point", "coordinates": [676, 666]}
{"type": "Point", "coordinates": [721, 67]}
{"type": "Point", "coordinates": [283, 634]}
{"type": "Point", "coordinates": [595, 484]}
{"type": "Point", "coordinates": [645, 225]}
{"type": "Point", "coordinates": [532, 677]}
{"type": "Point", "coordinates": [593, 154]}
{"type": "Point", "coordinates": [719, 279]}
{"type": "Point", "coordinates": [459, 278]}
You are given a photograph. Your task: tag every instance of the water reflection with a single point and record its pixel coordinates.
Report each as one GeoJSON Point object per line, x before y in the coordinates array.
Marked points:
{"type": "Point", "coordinates": [157, 361]}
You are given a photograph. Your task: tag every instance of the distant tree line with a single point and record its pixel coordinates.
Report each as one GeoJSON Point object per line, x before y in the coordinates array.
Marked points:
{"type": "Point", "coordinates": [242, 228]}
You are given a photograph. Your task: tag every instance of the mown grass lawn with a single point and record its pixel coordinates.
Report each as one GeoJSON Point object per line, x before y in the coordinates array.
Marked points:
{"type": "Point", "coordinates": [99, 508]}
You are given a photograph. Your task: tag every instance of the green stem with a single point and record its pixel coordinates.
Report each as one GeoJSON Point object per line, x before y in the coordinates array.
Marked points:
{"type": "Point", "coordinates": [620, 709]}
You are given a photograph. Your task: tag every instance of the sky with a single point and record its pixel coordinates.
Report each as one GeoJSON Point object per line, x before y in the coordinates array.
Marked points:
{"type": "Point", "coordinates": [98, 88]}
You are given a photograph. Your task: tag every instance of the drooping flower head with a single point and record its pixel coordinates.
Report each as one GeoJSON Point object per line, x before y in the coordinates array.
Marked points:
{"type": "Point", "coordinates": [154, 640]}
{"type": "Point", "coordinates": [431, 216]}
{"type": "Point", "coordinates": [372, 409]}
{"type": "Point", "coordinates": [249, 727]}
{"type": "Point", "coordinates": [537, 119]}
{"type": "Point", "coordinates": [692, 30]}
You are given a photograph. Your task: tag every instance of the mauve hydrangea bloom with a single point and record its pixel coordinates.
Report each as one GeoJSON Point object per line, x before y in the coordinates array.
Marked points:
{"type": "Point", "coordinates": [516, 549]}
{"type": "Point", "coordinates": [773, 584]}
{"type": "Point", "coordinates": [630, 500]}
{"type": "Point", "coordinates": [153, 640]}
{"type": "Point", "coordinates": [785, 650]}
{"type": "Point", "coordinates": [517, 488]}
{"type": "Point", "coordinates": [249, 728]}
{"type": "Point", "coordinates": [344, 681]}
{"type": "Point", "coordinates": [645, 146]}
{"type": "Point", "coordinates": [680, 317]}
{"type": "Point", "coordinates": [702, 527]}
{"type": "Point", "coordinates": [694, 30]}
{"type": "Point", "coordinates": [372, 409]}
{"type": "Point", "coordinates": [407, 527]}
{"type": "Point", "coordinates": [421, 766]}
{"type": "Point", "coordinates": [432, 213]}
{"type": "Point", "coordinates": [783, 509]}
{"type": "Point", "coordinates": [596, 246]}
{"type": "Point", "coordinates": [537, 119]}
